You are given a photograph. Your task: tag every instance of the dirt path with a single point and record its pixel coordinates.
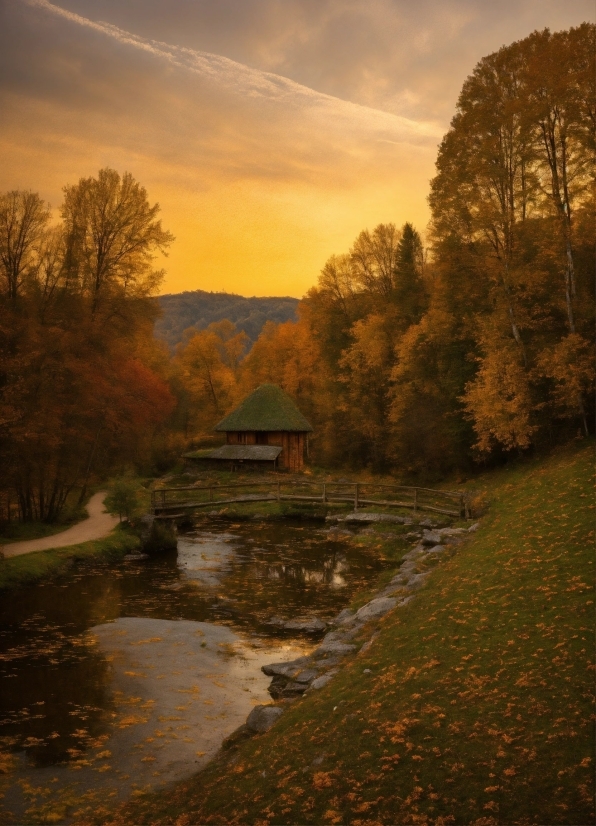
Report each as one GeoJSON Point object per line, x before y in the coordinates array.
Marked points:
{"type": "Point", "coordinates": [98, 525]}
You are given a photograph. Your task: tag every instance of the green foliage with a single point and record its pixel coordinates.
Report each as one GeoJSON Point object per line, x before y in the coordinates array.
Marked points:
{"type": "Point", "coordinates": [123, 498]}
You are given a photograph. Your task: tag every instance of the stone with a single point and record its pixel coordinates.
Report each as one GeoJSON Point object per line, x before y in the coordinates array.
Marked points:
{"type": "Point", "coordinates": [323, 679]}
{"type": "Point", "coordinates": [344, 616]}
{"type": "Point", "coordinates": [474, 527]}
{"type": "Point", "coordinates": [308, 625]}
{"type": "Point", "coordinates": [262, 718]}
{"type": "Point", "coordinates": [367, 645]}
{"type": "Point", "coordinates": [288, 669]}
{"type": "Point", "coordinates": [417, 581]}
{"type": "Point", "coordinates": [376, 608]}
{"type": "Point", "coordinates": [291, 689]}
{"type": "Point", "coordinates": [335, 647]}
{"type": "Point", "coordinates": [426, 523]}
{"type": "Point", "coordinates": [404, 601]}
{"type": "Point", "coordinates": [414, 553]}
{"type": "Point", "coordinates": [438, 549]}
{"type": "Point", "coordinates": [306, 676]}
{"type": "Point", "coordinates": [431, 538]}
{"type": "Point", "coordinates": [135, 557]}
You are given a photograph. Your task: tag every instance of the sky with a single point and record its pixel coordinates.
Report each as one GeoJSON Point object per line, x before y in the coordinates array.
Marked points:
{"type": "Point", "coordinates": [271, 132]}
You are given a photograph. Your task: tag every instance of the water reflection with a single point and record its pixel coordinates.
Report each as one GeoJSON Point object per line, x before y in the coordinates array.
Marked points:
{"type": "Point", "coordinates": [64, 669]}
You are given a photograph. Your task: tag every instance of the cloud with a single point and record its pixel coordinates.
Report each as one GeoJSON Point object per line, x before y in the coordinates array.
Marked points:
{"type": "Point", "coordinates": [314, 119]}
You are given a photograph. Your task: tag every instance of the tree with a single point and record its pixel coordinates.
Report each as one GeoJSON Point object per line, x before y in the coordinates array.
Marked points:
{"type": "Point", "coordinates": [23, 220]}
{"type": "Point", "coordinates": [123, 498]}
{"type": "Point", "coordinates": [112, 235]}
{"type": "Point", "coordinates": [77, 397]}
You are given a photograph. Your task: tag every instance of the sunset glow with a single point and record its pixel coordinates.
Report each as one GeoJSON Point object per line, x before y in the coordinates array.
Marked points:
{"type": "Point", "coordinates": [270, 133]}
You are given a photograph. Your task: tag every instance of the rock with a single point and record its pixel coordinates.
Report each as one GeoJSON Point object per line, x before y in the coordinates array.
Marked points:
{"type": "Point", "coordinates": [414, 553]}
{"type": "Point", "coordinates": [344, 616]}
{"type": "Point", "coordinates": [288, 669]}
{"type": "Point", "coordinates": [474, 527]}
{"type": "Point", "coordinates": [426, 523]}
{"type": "Point", "coordinates": [366, 646]}
{"type": "Point", "coordinates": [438, 549]}
{"type": "Point", "coordinates": [335, 647]}
{"type": "Point", "coordinates": [376, 608]}
{"type": "Point", "coordinates": [306, 676]}
{"type": "Point", "coordinates": [262, 718]}
{"type": "Point", "coordinates": [294, 688]}
{"type": "Point", "coordinates": [323, 679]}
{"type": "Point", "coordinates": [309, 625]}
{"type": "Point", "coordinates": [417, 581]}
{"type": "Point", "coordinates": [134, 557]}
{"type": "Point", "coordinates": [431, 538]}
{"type": "Point", "coordinates": [405, 601]}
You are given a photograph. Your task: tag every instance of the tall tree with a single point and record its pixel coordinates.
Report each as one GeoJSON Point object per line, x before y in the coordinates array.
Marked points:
{"type": "Point", "coordinates": [23, 220]}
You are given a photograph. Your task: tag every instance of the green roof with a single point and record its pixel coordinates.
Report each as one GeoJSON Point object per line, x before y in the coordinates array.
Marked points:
{"type": "Point", "coordinates": [267, 408]}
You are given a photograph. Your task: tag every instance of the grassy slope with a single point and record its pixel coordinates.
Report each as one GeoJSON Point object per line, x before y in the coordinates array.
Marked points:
{"type": "Point", "coordinates": [479, 701]}
{"type": "Point", "coordinates": [32, 567]}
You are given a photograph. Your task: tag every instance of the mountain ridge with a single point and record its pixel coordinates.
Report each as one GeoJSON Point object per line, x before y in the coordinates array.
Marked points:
{"type": "Point", "coordinates": [199, 309]}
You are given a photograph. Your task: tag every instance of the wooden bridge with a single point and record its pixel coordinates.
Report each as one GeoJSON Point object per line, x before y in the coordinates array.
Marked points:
{"type": "Point", "coordinates": [173, 502]}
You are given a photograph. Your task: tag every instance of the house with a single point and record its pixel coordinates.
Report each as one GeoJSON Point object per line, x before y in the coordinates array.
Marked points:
{"type": "Point", "coordinates": [266, 429]}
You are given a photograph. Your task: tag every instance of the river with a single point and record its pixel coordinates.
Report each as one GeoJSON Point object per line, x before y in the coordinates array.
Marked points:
{"type": "Point", "coordinates": [120, 677]}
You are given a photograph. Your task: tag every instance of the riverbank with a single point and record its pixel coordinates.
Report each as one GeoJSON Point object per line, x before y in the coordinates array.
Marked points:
{"type": "Point", "coordinates": [473, 704]}
{"type": "Point", "coordinates": [28, 568]}
{"type": "Point", "coordinates": [97, 525]}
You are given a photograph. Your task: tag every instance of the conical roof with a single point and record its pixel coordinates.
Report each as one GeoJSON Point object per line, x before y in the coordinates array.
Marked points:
{"type": "Point", "coordinates": [267, 408]}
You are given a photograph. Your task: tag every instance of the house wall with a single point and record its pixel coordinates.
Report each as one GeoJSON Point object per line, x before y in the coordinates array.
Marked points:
{"type": "Point", "coordinates": [293, 445]}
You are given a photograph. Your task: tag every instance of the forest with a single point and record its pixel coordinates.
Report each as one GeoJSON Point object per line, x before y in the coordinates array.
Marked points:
{"type": "Point", "coordinates": [421, 360]}
{"type": "Point", "coordinates": [183, 314]}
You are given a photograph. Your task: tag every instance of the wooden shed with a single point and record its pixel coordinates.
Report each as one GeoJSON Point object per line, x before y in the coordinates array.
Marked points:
{"type": "Point", "coordinates": [269, 417]}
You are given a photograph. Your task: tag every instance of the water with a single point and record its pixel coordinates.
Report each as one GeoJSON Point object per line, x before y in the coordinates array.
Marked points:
{"type": "Point", "coordinates": [121, 676]}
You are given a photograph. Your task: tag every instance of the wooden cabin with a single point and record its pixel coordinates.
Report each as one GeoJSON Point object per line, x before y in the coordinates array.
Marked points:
{"type": "Point", "coordinates": [267, 418]}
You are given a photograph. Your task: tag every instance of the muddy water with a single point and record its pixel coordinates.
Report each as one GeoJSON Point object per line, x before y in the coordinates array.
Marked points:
{"type": "Point", "coordinates": [119, 677]}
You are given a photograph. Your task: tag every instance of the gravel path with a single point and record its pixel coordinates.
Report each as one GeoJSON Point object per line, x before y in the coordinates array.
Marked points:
{"type": "Point", "coordinates": [98, 525]}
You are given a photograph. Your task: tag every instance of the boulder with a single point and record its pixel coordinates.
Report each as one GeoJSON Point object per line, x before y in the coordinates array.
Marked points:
{"type": "Point", "coordinates": [432, 538]}
{"type": "Point", "coordinates": [417, 581]}
{"type": "Point", "coordinates": [335, 647]}
{"type": "Point", "coordinates": [308, 625]}
{"type": "Point", "coordinates": [323, 679]}
{"type": "Point", "coordinates": [261, 718]}
{"type": "Point", "coordinates": [344, 617]}
{"type": "Point", "coordinates": [376, 608]}
{"type": "Point", "coordinates": [288, 669]}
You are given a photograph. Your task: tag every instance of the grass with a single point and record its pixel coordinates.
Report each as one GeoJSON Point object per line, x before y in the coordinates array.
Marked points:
{"type": "Point", "coordinates": [33, 567]}
{"type": "Point", "coordinates": [478, 707]}
{"type": "Point", "coordinates": [21, 531]}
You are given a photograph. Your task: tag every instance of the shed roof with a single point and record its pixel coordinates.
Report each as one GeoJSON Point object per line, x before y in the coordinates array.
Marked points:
{"type": "Point", "coordinates": [267, 408]}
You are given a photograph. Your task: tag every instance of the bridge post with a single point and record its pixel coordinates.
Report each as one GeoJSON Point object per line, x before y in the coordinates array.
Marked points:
{"type": "Point", "coordinates": [278, 490]}
{"type": "Point", "coordinates": [415, 499]}
{"type": "Point", "coordinates": [356, 496]}
{"type": "Point", "coordinates": [324, 492]}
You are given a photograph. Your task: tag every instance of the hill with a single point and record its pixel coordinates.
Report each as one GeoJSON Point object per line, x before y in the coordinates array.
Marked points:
{"type": "Point", "coordinates": [199, 309]}
{"type": "Point", "coordinates": [472, 705]}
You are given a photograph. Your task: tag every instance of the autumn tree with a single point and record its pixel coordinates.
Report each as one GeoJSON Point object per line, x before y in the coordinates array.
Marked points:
{"type": "Point", "coordinates": [77, 397]}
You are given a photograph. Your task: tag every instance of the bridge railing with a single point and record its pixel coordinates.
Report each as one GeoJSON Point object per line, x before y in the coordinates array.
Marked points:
{"type": "Point", "coordinates": [168, 501]}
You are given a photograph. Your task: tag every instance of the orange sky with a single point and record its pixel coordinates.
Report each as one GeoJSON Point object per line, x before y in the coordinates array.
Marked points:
{"type": "Point", "coordinates": [270, 131]}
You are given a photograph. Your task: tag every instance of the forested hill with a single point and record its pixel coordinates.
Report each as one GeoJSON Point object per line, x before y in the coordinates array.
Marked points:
{"type": "Point", "coordinates": [199, 309]}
